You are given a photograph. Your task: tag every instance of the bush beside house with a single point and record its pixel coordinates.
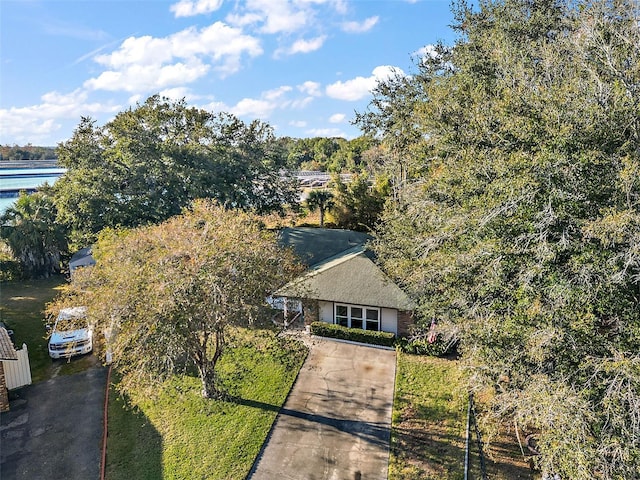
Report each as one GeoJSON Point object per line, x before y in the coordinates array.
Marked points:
{"type": "Point", "coordinates": [323, 329]}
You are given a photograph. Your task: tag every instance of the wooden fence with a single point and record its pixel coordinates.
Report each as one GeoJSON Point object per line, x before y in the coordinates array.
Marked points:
{"type": "Point", "coordinates": [18, 374]}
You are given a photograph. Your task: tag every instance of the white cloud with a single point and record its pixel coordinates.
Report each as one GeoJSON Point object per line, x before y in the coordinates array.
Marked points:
{"type": "Point", "coordinates": [188, 8]}
{"type": "Point", "coordinates": [359, 87]}
{"type": "Point", "coordinates": [178, 93]}
{"type": "Point", "coordinates": [337, 118]}
{"type": "Point", "coordinates": [325, 132]}
{"type": "Point", "coordinates": [253, 108]}
{"type": "Point", "coordinates": [273, 16]}
{"type": "Point", "coordinates": [304, 46]}
{"type": "Point", "coordinates": [147, 63]}
{"type": "Point", "coordinates": [40, 121]}
{"type": "Point", "coordinates": [276, 93]}
{"type": "Point", "coordinates": [140, 78]}
{"type": "Point", "coordinates": [360, 27]}
{"type": "Point", "coordinates": [301, 103]}
{"type": "Point", "coordinates": [426, 51]}
{"type": "Point", "coordinates": [298, 123]}
{"type": "Point", "coordinates": [310, 88]}
{"type": "Point", "coordinates": [262, 107]}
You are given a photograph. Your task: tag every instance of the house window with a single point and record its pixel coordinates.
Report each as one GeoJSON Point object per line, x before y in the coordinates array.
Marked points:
{"type": "Point", "coordinates": [342, 315]}
{"type": "Point", "coordinates": [356, 316]}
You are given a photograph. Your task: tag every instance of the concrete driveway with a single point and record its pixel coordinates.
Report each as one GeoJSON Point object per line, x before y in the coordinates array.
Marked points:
{"type": "Point", "coordinates": [54, 429]}
{"type": "Point", "coordinates": [336, 422]}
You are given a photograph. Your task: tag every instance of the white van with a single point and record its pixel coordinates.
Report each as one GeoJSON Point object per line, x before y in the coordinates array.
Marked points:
{"type": "Point", "coordinates": [71, 335]}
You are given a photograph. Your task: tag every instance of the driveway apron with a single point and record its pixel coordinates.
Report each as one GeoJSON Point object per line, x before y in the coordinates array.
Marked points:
{"type": "Point", "coordinates": [54, 429]}
{"type": "Point", "coordinates": [336, 422]}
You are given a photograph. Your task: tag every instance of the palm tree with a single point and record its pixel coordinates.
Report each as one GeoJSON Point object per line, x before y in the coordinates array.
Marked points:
{"type": "Point", "coordinates": [30, 230]}
{"type": "Point", "coordinates": [320, 200]}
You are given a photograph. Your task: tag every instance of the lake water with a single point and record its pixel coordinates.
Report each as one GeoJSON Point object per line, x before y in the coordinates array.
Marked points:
{"type": "Point", "coordinates": [12, 180]}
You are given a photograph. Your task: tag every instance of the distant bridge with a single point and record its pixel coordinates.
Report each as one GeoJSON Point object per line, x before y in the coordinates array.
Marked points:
{"type": "Point", "coordinates": [308, 178]}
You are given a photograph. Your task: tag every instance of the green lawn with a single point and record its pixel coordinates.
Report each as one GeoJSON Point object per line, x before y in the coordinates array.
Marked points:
{"type": "Point", "coordinates": [428, 424]}
{"type": "Point", "coordinates": [429, 427]}
{"type": "Point", "coordinates": [21, 307]}
{"type": "Point", "coordinates": [178, 434]}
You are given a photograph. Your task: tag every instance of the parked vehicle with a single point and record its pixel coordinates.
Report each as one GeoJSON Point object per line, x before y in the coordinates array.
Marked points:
{"type": "Point", "coordinates": [71, 334]}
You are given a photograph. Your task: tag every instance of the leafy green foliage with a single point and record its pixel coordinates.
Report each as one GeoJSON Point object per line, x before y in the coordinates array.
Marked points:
{"type": "Point", "coordinates": [166, 295]}
{"type": "Point", "coordinates": [321, 200]}
{"type": "Point", "coordinates": [520, 231]}
{"type": "Point", "coordinates": [358, 204]}
{"type": "Point", "coordinates": [421, 346]}
{"type": "Point", "coordinates": [150, 162]}
{"type": "Point", "coordinates": [323, 329]}
{"type": "Point", "coordinates": [335, 155]}
{"type": "Point", "coordinates": [30, 230]}
{"type": "Point", "coordinates": [25, 153]}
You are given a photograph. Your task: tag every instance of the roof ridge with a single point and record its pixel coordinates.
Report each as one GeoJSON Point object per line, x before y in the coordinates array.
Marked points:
{"type": "Point", "coordinates": [338, 258]}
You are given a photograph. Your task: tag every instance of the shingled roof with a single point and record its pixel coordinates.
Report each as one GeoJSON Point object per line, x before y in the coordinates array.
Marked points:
{"type": "Point", "coordinates": [351, 277]}
{"type": "Point", "coordinates": [7, 352]}
{"type": "Point", "coordinates": [315, 245]}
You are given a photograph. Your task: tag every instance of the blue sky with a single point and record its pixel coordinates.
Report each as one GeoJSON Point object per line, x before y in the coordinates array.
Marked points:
{"type": "Point", "coordinates": [303, 66]}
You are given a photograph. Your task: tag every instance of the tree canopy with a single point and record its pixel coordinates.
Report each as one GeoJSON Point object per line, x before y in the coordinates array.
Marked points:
{"type": "Point", "coordinates": [519, 231]}
{"type": "Point", "coordinates": [151, 161]}
{"type": "Point", "coordinates": [170, 292]}
{"type": "Point", "coordinates": [321, 200]}
{"type": "Point", "coordinates": [34, 237]}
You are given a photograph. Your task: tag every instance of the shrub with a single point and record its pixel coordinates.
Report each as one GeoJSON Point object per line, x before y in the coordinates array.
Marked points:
{"type": "Point", "coordinates": [323, 329]}
{"type": "Point", "coordinates": [9, 270]}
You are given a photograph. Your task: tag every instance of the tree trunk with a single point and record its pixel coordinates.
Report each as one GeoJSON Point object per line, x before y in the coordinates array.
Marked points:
{"type": "Point", "coordinates": [207, 367]}
{"type": "Point", "coordinates": [209, 384]}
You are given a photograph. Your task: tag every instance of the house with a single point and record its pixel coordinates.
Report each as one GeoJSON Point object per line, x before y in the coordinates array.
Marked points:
{"type": "Point", "coordinates": [82, 258]}
{"type": "Point", "coordinates": [7, 353]}
{"type": "Point", "coordinates": [343, 285]}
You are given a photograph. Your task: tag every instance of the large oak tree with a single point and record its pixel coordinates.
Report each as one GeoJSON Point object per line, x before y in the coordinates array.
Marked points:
{"type": "Point", "coordinates": [151, 161]}
{"type": "Point", "coordinates": [519, 231]}
{"type": "Point", "coordinates": [167, 295]}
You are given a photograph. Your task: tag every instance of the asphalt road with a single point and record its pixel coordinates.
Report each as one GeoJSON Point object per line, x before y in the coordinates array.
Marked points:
{"type": "Point", "coordinates": [53, 429]}
{"type": "Point", "coordinates": [336, 422]}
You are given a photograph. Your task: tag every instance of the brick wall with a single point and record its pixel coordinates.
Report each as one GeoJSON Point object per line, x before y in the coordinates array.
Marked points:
{"type": "Point", "coordinates": [4, 394]}
{"type": "Point", "coordinates": [405, 322]}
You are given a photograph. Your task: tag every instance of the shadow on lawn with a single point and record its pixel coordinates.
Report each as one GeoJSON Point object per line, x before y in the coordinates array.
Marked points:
{"type": "Point", "coordinates": [134, 446]}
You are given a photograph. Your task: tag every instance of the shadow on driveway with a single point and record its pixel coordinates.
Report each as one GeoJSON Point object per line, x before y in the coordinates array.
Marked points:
{"type": "Point", "coordinates": [54, 429]}
{"type": "Point", "coordinates": [336, 422]}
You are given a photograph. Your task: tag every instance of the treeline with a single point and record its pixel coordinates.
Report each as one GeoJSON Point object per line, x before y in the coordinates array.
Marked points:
{"type": "Point", "coordinates": [334, 154]}
{"type": "Point", "coordinates": [26, 153]}
{"type": "Point", "coordinates": [151, 162]}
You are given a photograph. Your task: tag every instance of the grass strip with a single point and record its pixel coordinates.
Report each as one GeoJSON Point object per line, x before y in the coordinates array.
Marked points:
{"type": "Point", "coordinates": [428, 423]}
{"type": "Point", "coordinates": [177, 434]}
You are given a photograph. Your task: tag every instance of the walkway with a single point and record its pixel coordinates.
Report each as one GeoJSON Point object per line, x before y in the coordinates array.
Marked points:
{"type": "Point", "coordinates": [336, 422]}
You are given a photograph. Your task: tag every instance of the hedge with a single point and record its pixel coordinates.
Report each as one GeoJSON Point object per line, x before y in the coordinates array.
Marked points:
{"type": "Point", "coordinates": [323, 329]}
